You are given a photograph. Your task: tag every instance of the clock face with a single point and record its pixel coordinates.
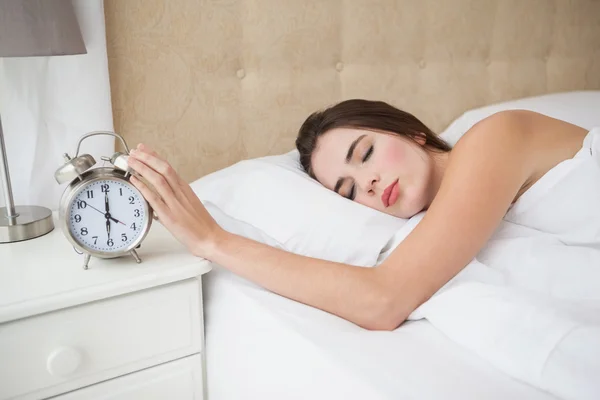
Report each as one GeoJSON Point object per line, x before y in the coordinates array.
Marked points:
{"type": "Point", "coordinates": [107, 215]}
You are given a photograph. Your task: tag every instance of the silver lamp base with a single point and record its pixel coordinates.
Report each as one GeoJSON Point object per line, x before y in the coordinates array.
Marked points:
{"type": "Point", "coordinates": [31, 222]}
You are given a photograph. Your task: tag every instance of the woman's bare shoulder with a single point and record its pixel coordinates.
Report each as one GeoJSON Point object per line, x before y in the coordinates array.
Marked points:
{"type": "Point", "coordinates": [531, 128]}
{"type": "Point", "coordinates": [506, 133]}
{"type": "Point", "coordinates": [509, 123]}
{"type": "Point", "coordinates": [542, 141]}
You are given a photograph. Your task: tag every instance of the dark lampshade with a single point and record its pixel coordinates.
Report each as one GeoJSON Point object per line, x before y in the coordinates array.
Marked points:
{"type": "Point", "coordinates": [39, 28]}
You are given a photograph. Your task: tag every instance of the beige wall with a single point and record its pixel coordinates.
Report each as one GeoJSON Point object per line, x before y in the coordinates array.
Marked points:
{"type": "Point", "coordinates": [211, 82]}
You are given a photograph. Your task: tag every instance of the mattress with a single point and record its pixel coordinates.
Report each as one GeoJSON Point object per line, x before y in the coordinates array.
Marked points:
{"type": "Point", "coordinates": [260, 345]}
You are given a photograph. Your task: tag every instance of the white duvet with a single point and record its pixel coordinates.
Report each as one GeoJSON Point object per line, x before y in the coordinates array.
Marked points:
{"type": "Point", "coordinates": [532, 312]}
{"type": "Point", "coordinates": [263, 346]}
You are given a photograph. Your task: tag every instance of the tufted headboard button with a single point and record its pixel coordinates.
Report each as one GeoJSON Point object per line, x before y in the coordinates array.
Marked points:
{"type": "Point", "coordinates": [339, 66]}
{"type": "Point", "coordinates": [241, 73]}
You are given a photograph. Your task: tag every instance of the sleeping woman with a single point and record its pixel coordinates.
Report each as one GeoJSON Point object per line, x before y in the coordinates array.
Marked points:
{"type": "Point", "coordinates": [377, 155]}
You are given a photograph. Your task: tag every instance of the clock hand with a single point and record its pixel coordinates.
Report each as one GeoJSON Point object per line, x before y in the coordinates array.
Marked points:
{"type": "Point", "coordinates": [117, 221]}
{"type": "Point", "coordinates": [107, 215]}
{"type": "Point", "coordinates": [101, 212]}
{"type": "Point", "coordinates": [107, 207]}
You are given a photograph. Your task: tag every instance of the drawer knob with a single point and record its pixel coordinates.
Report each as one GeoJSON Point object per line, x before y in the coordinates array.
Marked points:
{"type": "Point", "coordinates": [63, 361]}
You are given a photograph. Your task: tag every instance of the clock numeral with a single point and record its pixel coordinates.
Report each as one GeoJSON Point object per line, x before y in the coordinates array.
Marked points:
{"type": "Point", "coordinates": [105, 188]}
{"type": "Point", "coordinates": [133, 226]}
{"type": "Point", "coordinates": [110, 243]}
{"type": "Point", "coordinates": [120, 191]}
{"type": "Point", "coordinates": [90, 194]}
{"type": "Point", "coordinates": [131, 199]}
{"type": "Point", "coordinates": [95, 239]}
{"type": "Point", "coordinates": [136, 213]}
{"type": "Point", "coordinates": [84, 231]}
{"type": "Point", "coordinates": [77, 218]}
{"type": "Point", "coordinates": [81, 204]}
{"type": "Point", "coordinates": [123, 237]}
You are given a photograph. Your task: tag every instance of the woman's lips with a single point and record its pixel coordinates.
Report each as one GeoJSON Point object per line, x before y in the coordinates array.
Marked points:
{"type": "Point", "coordinates": [390, 194]}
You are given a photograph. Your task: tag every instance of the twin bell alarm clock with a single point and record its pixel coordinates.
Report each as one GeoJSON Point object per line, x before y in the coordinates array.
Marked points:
{"type": "Point", "coordinates": [101, 213]}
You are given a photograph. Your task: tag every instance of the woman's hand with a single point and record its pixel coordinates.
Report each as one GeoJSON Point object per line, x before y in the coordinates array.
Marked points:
{"type": "Point", "coordinates": [174, 202]}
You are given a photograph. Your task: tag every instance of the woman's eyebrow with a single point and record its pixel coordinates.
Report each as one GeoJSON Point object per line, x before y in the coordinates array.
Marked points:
{"type": "Point", "coordinates": [340, 181]}
{"type": "Point", "coordinates": [351, 149]}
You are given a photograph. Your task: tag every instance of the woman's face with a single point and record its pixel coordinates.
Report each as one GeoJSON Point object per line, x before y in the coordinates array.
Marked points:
{"type": "Point", "coordinates": [383, 171]}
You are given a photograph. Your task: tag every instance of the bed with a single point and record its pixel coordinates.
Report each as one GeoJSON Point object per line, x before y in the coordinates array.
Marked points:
{"type": "Point", "coordinates": [273, 347]}
{"type": "Point", "coordinates": [213, 83]}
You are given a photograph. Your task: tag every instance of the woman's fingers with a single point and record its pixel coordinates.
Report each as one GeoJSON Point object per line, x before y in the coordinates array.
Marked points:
{"type": "Point", "coordinates": [152, 167]}
{"type": "Point", "coordinates": [145, 149]}
{"type": "Point", "coordinates": [157, 164]}
{"type": "Point", "coordinates": [174, 177]}
{"type": "Point", "coordinates": [156, 179]}
{"type": "Point", "coordinates": [160, 174]}
{"type": "Point", "coordinates": [155, 201]}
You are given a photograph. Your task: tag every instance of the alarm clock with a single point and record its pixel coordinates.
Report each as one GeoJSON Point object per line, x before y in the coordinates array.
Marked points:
{"type": "Point", "coordinates": [101, 213]}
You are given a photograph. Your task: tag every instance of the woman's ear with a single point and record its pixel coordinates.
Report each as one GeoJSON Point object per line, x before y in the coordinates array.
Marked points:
{"type": "Point", "coordinates": [420, 138]}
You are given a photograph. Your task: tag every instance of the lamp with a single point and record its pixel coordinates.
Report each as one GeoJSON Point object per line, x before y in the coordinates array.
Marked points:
{"type": "Point", "coordinates": [32, 28]}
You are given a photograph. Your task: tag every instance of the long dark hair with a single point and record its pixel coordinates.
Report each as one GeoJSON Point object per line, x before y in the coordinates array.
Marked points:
{"type": "Point", "coordinates": [362, 114]}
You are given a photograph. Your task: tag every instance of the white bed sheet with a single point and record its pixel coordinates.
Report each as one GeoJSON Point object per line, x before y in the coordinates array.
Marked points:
{"type": "Point", "coordinates": [263, 346]}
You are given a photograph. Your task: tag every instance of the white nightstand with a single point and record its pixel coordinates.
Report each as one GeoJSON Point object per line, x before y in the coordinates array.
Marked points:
{"type": "Point", "coordinates": [118, 330]}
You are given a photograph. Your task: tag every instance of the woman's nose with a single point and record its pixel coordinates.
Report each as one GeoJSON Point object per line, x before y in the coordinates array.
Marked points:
{"type": "Point", "coordinates": [372, 184]}
{"type": "Point", "coordinates": [369, 183]}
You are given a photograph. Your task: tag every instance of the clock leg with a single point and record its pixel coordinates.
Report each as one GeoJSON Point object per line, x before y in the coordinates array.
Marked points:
{"type": "Point", "coordinates": [86, 260]}
{"type": "Point", "coordinates": [135, 255]}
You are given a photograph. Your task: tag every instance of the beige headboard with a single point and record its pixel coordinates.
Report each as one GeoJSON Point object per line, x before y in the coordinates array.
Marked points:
{"type": "Point", "coordinates": [211, 82]}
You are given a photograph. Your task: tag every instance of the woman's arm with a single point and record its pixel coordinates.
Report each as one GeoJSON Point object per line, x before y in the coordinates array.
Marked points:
{"type": "Point", "coordinates": [485, 171]}
{"type": "Point", "coordinates": [353, 293]}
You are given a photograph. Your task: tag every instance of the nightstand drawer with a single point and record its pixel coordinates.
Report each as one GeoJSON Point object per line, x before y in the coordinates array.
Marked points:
{"type": "Point", "coordinates": [71, 348]}
{"type": "Point", "coordinates": [179, 380]}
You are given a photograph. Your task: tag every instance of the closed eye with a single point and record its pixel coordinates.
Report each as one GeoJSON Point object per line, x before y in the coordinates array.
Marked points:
{"type": "Point", "coordinates": [368, 154]}
{"type": "Point", "coordinates": [352, 194]}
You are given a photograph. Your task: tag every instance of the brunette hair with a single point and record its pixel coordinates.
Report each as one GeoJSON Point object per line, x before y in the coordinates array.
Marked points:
{"type": "Point", "coordinates": [362, 114]}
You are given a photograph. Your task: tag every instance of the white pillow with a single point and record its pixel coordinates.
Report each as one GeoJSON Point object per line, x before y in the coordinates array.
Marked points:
{"type": "Point", "coordinates": [580, 108]}
{"type": "Point", "coordinates": [274, 195]}
{"type": "Point", "coordinates": [230, 224]}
